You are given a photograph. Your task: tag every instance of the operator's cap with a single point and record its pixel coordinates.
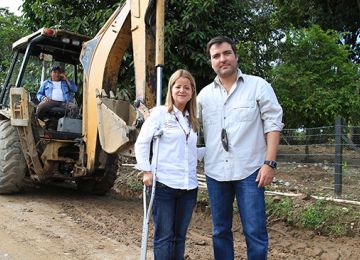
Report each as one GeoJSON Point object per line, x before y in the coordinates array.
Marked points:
{"type": "Point", "coordinates": [55, 67]}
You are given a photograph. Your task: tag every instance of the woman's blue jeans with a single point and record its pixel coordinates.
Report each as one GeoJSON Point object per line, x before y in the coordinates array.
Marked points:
{"type": "Point", "coordinates": [251, 205]}
{"type": "Point", "coordinates": [172, 211]}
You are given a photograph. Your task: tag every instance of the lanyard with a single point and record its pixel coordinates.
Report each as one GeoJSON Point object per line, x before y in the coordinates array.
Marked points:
{"type": "Point", "coordinates": [186, 134]}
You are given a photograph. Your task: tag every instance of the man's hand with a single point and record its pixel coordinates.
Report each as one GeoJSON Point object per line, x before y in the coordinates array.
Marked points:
{"type": "Point", "coordinates": [265, 175]}
{"type": "Point", "coordinates": [46, 99]}
{"type": "Point", "coordinates": [63, 77]}
{"type": "Point", "coordinates": [147, 178]}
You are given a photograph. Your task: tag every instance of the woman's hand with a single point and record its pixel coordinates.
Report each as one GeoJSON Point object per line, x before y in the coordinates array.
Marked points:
{"type": "Point", "coordinates": [147, 178]}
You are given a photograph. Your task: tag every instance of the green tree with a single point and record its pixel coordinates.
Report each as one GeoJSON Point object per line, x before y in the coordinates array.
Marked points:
{"type": "Point", "coordinates": [314, 79]}
{"type": "Point", "coordinates": [191, 24]}
{"type": "Point", "coordinates": [342, 16]}
{"type": "Point", "coordinates": [257, 26]}
{"type": "Point", "coordinates": [11, 30]}
{"type": "Point", "coordinates": [81, 16]}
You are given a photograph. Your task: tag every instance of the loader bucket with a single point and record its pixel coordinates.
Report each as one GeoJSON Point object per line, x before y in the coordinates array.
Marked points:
{"type": "Point", "coordinates": [115, 122]}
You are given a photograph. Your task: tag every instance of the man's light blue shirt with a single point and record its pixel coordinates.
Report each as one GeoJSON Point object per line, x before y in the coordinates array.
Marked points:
{"type": "Point", "coordinates": [247, 113]}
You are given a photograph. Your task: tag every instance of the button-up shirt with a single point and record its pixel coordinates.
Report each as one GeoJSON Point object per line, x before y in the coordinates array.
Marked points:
{"type": "Point", "coordinates": [46, 90]}
{"type": "Point", "coordinates": [177, 157]}
{"type": "Point", "coordinates": [247, 113]}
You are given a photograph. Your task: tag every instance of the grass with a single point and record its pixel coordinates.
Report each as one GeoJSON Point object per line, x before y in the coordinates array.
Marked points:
{"type": "Point", "coordinates": [133, 183]}
{"type": "Point", "coordinates": [324, 217]}
{"type": "Point", "coordinates": [280, 209]}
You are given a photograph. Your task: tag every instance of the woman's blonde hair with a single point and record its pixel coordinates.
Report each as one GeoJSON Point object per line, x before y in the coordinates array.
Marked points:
{"type": "Point", "coordinates": [191, 104]}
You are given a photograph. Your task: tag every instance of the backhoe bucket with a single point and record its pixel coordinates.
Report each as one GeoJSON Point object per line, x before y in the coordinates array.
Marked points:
{"type": "Point", "coordinates": [115, 122]}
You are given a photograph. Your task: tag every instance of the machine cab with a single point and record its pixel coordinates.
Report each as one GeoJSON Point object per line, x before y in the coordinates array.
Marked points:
{"type": "Point", "coordinates": [33, 57]}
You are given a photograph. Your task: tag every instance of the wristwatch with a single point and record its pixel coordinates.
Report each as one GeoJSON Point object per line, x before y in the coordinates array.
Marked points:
{"type": "Point", "coordinates": [272, 164]}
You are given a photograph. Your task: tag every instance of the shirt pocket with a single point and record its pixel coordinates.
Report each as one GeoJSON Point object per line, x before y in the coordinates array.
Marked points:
{"type": "Point", "coordinates": [243, 110]}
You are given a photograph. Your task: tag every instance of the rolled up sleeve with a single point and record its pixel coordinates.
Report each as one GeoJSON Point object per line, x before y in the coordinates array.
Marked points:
{"type": "Point", "coordinates": [270, 109]}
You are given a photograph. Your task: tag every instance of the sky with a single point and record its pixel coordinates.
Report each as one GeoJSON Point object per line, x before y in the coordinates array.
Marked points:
{"type": "Point", "coordinates": [12, 5]}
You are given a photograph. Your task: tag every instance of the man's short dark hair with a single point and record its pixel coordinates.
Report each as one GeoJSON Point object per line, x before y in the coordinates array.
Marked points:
{"type": "Point", "coordinates": [221, 39]}
{"type": "Point", "coordinates": [55, 67]}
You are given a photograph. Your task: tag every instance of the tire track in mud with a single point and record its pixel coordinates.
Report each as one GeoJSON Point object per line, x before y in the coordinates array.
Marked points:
{"type": "Point", "coordinates": [122, 221]}
{"type": "Point", "coordinates": [36, 227]}
{"type": "Point", "coordinates": [118, 220]}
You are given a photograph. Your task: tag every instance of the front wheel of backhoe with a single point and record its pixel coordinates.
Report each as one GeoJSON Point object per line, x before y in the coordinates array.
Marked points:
{"type": "Point", "coordinates": [12, 161]}
{"type": "Point", "coordinates": [103, 185]}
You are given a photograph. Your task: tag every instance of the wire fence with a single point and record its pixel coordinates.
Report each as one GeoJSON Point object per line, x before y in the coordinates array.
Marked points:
{"type": "Point", "coordinates": [322, 161]}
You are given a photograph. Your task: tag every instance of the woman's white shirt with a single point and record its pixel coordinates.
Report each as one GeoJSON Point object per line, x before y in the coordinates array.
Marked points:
{"type": "Point", "coordinates": [177, 157]}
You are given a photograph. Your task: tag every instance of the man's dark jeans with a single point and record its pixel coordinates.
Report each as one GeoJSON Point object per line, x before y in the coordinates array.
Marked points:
{"type": "Point", "coordinates": [251, 204]}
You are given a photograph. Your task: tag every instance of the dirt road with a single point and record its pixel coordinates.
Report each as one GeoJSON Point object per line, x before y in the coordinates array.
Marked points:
{"type": "Point", "coordinates": [57, 223]}
{"type": "Point", "coordinates": [52, 222]}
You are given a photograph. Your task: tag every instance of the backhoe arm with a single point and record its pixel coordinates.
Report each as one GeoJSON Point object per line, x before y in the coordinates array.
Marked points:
{"type": "Point", "coordinates": [109, 122]}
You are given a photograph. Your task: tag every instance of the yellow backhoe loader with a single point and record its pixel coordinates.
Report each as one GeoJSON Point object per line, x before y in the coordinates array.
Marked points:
{"type": "Point", "coordinates": [83, 150]}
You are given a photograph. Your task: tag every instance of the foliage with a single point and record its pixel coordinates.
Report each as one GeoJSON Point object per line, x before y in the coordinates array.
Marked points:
{"type": "Point", "coordinates": [133, 183]}
{"type": "Point", "coordinates": [283, 209]}
{"type": "Point", "coordinates": [320, 217]}
{"type": "Point", "coordinates": [188, 29]}
{"type": "Point", "coordinates": [81, 16]}
{"type": "Point", "coordinates": [11, 30]}
{"type": "Point", "coordinates": [342, 16]}
{"type": "Point", "coordinates": [325, 218]}
{"type": "Point", "coordinates": [314, 80]}
{"type": "Point", "coordinates": [259, 28]}
{"type": "Point", "coordinates": [314, 216]}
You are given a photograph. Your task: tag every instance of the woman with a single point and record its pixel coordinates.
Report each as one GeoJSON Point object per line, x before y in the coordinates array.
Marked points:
{"type": "Point", "coordinates": [176, 181]}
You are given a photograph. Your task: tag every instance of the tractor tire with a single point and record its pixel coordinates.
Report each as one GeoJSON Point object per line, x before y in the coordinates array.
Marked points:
{"type": "Point", "coordinates": [12, 162]}
{"type": "Point", "coordinates": [103, 185]}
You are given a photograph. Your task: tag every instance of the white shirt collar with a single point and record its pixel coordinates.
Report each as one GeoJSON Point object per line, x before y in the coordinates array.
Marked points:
{"type": "Point", "coordinates": [178, 112]}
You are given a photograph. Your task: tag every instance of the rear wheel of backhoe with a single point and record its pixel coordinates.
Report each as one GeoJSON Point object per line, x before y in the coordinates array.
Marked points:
{"type": "Point", "coordinates": [12, 161]}
{"type": "Point", "coordinates": [102, 186]}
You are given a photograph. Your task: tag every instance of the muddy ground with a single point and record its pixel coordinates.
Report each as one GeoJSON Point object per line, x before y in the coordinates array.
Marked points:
{"type": "Point", "coordinates": [57, 222]}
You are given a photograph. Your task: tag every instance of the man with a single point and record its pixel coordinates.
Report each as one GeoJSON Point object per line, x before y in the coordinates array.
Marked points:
{"type": "Point", "coordinates": [242, 121]}
{"type": "Point", "coordinates": [57, 92]}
